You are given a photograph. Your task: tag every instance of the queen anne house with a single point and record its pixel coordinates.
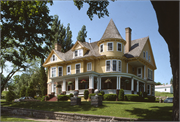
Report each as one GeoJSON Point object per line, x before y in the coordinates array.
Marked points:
{"type": "Point", "coordinates": [109, 64]}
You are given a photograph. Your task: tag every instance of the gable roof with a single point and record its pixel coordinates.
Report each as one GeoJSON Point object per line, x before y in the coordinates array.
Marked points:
{"type": "Point", "coordinates": [111, 31]}
{"type": "Point", "coordinates": [136, 47]}
{"type": "Point", "coordinates": [83, 44]}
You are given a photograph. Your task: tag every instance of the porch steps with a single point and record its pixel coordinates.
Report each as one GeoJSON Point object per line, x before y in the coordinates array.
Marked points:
{"type": "Point", "coordinates": [53, 99]}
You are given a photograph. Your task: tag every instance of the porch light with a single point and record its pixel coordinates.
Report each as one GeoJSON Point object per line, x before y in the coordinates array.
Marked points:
{"type": "Point", "coordinates": [83, 81]}
{"type": "Point", "coordinates": [108, 81]}
{"type": "Point", "coordinates": [70, 82]}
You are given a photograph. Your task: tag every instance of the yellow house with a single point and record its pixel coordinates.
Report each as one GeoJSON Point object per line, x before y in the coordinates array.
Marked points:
{"type": "Point", "coordinates": [109, 64]}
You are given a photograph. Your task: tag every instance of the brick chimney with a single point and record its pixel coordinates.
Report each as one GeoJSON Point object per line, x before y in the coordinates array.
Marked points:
{"type": "Point", "coordinates": [128, 39]}
{"type": "Point", "coordinates": [57, 47]}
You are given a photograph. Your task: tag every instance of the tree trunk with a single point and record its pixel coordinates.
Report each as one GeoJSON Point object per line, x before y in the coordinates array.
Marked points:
{"type": "Point", "coordinates": [168, 19]}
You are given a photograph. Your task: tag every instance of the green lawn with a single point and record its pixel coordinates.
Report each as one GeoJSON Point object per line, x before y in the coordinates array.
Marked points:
{"type": "Point", "coordinates": [142, 110]}
{"type": "Point", "coordinates": [7, 118]}
{"type": "Point", "coordinates": [163, 94]}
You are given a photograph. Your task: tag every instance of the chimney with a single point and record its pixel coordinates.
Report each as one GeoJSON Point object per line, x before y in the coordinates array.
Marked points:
{"type": "Point", "coordinates": [57, 47]}
{"type": "Point", "coordinates": [128, 39]}
{"type": "Point", "coordinates": [89, 40]}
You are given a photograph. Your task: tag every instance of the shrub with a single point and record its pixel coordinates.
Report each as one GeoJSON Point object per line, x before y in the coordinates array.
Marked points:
{"type": "Point", "coordinates": [102, 92]}
{"type": "Point", "coordinates": [63, 97]}
{"type": "Point", "coordinates": [71, 95]}
{"type": "Point", "coordinates": [110, 97]}
{"type": "Point", "coordinates": [132, 97]}
{"type": "Point", "coordinates": [93, 94]}
{"type": "Point", "coordinates": [144, 94]}
{"type": "Point", "coordinates": [149, 99]}
{"type": "Point", "coordinates": [10, 96]}
{"type": "Point", "coordinates": [43, 98]}
{"type": "Point", "coordinates": [86, 93]}
{"type": "Point", "coordinates": [140, 94]}
{"type": "Point", "coordinates": [121, 95]}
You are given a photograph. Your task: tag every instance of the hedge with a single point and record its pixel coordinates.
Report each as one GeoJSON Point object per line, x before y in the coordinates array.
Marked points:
{"type": "Point", "coordinates": [93, 94]}
{"type": "Point", "coordinates": [131, 97]}
{"type": "Point", "coordinates": [110, 97]}
{"type": "Point", "coordinates": [63, 97]}
{"type": "Point", "coordinates": [149, 99]}
{"type": "Point", "coordinates": [121, 95]}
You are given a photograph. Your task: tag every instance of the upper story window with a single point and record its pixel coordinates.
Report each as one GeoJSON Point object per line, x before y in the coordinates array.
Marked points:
{"type": "Point", "coordinates": [78, 66]}
{"type": "Point", "coordinates": [68, 69]}
{"type": "Point", "coordinates": [149, 58]}
{"type": "Point", "coordinates": [53, 72]}
{"type": "Point", "coordinates": [53, 58]}
{"type": "Point", "coordinates": [89, 66]}
{"type": "Point", "coordinates": [146, 55]}
{"type": "Point", "coordinates": [139, 72]}
{"type": "Point", "coordinates": [78, 53]}
{"type": "Point", "coordinates": [102, 48]}
{"type": "Point", "coordinates": [113, 65]}
{"type": "Point", "coordinates": [110, 46]}
{"type": "Point", "coordinates": [60, 71]}
{"type": "Point", "coordinates": [150, 74]}
{"type": "Point", "coordinates": [119, 47]}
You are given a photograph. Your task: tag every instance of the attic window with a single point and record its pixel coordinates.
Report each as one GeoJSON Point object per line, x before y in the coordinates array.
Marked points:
{"type": "Point", "coordinates": [53, 58]}
{"type": "Point", "coordinates": [78, 53]}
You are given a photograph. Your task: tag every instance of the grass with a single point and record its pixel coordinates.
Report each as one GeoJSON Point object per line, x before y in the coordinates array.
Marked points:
{"type": "Point", "coordinates": [163, 94]}
{"type": "Point", "coordinates": [7, 118]}
{"type": "Point", "coordinates": [141, 110]}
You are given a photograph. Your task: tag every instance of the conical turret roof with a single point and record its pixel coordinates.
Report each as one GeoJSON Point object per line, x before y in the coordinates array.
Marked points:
{"type": "Point", "coordinates": [111, 31]}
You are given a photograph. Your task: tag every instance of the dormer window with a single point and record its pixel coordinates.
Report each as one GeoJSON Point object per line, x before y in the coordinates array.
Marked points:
{"type": "Point", "coordinates": [110, 46]}
{"type": "Point", "coordinates": [78, 53]}
{"type": "Point", "coordinates": [53, 58]}
{"type": "Point", "coordinates": [102, 48]}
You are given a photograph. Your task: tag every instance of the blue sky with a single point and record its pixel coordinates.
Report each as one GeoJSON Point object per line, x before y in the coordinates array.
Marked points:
{"type": "Point", "coordinates": [138, 15]}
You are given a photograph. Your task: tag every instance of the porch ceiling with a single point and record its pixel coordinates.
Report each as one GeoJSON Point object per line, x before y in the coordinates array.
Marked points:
{"type": "Point", "coordinates": [136, 64]}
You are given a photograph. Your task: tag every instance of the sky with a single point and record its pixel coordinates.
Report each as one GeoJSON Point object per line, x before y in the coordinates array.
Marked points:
{"type": "Point", "coordinates": [138, 15]}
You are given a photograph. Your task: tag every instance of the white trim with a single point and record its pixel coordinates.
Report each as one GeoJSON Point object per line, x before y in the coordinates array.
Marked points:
{"type": "Point", "coordinates": [68, 73]}
{"type": "Point", "coordinates": [62, 70]}
{"type": "Point", "coordinates": [106, 66]}
{"type": "Point", "coordinates": [79, 67]}
{"type": "Point", "coordinates": [141, 71]}
{"type": "Point", "coordinates": [151, 74]}
{"type": "Point", "coordinates": [144, 71]}
{"type": "Point", "coordinates": [76, 83]}
{"type": "Point", "coordinates": [146, 55]}
{"type": "Point", "coordinates": [112, 46]}
{"type": "Point", "coordinates": [102, 48]}
{"type": "Point", "coordinates": [112, 65]}
{"type": "Point", "coordinates": [91, 66]}
{"type": "Point", "coordinates": [118, 66]}
{"type": "Point", "coordinates": [52, 73]}
{"type": "Point", "coordinates": [117, 47]}
{"type": "Point", "coordinates": [55, 57]}
{"type": "Point", "coordinates": [78, 53]}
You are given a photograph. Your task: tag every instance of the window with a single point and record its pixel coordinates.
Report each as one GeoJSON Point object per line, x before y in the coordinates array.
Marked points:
{"type": "Point", "coordinates": [53, 58]}
{"type": "Point", "coordinates": [68, 69]}
{"type": "Point", "coordinates": [89, 66]}
{"type": "Point", "coordinates": [114, 65]}
{"type": "Point", "coordinates": [146, 55]}
{"type": "Point", "coordinates": [53, 72]}
{"type": "Point", "coordinates": [78, 53]}
{"type": "Point", "coordinates": [60, 71]}
{"type": "Point", "coordinates": [108, 65]}
{"type": "Point", "coordinates": [78, 66]}
{"type": "Point", "coordinates": [102, 48]}
{"type": "Point", "coordinates": [139, 72]}
{"type": "Point", "coordinates": [149, 58]}
{"type": "Point", "coordinates": [148, 89]}
{"type": "Point", "coordinates": [152, 88]}
{"type": "Point", "coordinates": [150, 74]}
{"type": "Point", "coordinates": [119, 47]}
{"type": "Point", "coordinates": [119, 66]}
{"type": "Point", "coordinates": [110, 46]}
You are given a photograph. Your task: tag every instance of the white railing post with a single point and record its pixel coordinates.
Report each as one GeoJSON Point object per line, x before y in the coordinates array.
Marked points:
{"type": "Point", "coordinates": [132, 84]}
{"type": "Point", "coordinates": [64, 85]}
{"type": "Point", "coordinates": [119, 82]}
{"type": "Point", "coordinates": [76, 84]}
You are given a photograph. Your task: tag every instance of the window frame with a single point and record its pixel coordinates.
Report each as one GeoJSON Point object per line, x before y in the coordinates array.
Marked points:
{"type": "Point", "coordinates": [79, 68]}
{"type": "Point", "coordinates": [146, 55]}
{"type": "Point", "coordinates": [78, 53]}
{"type": "Point", "coordinates": [90, 66]}
{"type": "Point", "coordinates": [102, 48]}
{"type": "Point", "coordinates": [112, 46]}
{"type": "Point", "coordinates": [149, 89]}
{"type": "Point", "coordinates": [52, 71]}
{"type": "Point", "coordinates": [151, 74]}
{"type": "Point", "coordinates": [75, 53]}
{"type": "Point", "coordinates": [118, 66]}
{"type": "Point", "coordinates": [117, 46]}
{"type": "Point", "coordinates": [113, 65]}
{"type": "Point", "coordinates": [109, 67]}
{"type": "Point", "coordinates": [53, 58]}
{"type": "Point", "coordinates": [141, 71]}
{"type": "Point", "coordinates": [68, 73]}
{"type": "Point", "coordinates": [58, 70]}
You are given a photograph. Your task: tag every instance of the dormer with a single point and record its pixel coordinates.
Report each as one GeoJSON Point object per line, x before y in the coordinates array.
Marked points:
{"type": "Point", "coordinates": [79, 49]}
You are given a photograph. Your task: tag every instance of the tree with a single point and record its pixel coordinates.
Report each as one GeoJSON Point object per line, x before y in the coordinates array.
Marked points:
{"type": "Point", "coordinates": [86, 94]}
{"type": "Point", "coordinates": [30, 91]}
{"type": "Point", "coordinates": [82, 34]}
{"type": "Point", "coordinates": [158, 83]}
{"type": "Point", "coordinates": [25, 27]}
{"type": "Point", "coordinates": [167, 13]}
{"type": "Point", "coordinates": [23, 92]}
{"type": "Point", "coordinates": [171, 81]}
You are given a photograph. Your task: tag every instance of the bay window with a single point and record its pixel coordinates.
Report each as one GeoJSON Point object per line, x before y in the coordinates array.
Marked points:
{"type": "Point", "coordinates": [110, 46]}
{"type": "Point", "coordinates": [53, 72]}
{"type": "Point", "coordinates": [113, 66]}
{"type": "Point", "coordinates": [108, 65]}
{"type": "Point", "coordinates": [119, 47]}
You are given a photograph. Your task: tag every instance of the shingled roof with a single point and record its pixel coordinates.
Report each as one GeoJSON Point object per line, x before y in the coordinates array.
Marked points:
{"type": "Point", "coordinates": [136, 47]}
{"type": "Point", "coordinates": [111, 31]}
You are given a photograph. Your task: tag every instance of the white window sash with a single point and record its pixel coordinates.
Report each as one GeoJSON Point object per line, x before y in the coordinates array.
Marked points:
{"type": "Point", "coordinates": [53, 72]}
{"type": "Point", "coordinates": [119, 64]}
{"type": "Point", "coordinates": [109, 65]}
{"type": "Point", "coordinates": [61, 71]}
{"type": "Point", "coordinates": [89, 65]}
{"type": "Point", "coordinates": [102, 47]}
{"type": "Point", "coordinates": [79, 67]}
{"type": "Point", "coordinates": [108, 46]}
{"type": "Point", "coordinates": [113, 65]}
{"type": "Point", "coordinates": [69, 69]}
{"type": "Point", "coordinates": [120, 47]}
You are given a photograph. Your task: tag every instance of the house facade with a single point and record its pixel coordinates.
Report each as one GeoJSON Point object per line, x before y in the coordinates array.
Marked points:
{"type": "Point", "coordinates": [164, 88]}
{"type": "Point", "coordinates": [109, 64]}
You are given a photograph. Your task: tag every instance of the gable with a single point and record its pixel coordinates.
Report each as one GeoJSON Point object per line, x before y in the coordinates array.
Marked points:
{"type": "Point", "coordinates": [147, 47]}
{"type": "Point", "coordinates": [78, 46]}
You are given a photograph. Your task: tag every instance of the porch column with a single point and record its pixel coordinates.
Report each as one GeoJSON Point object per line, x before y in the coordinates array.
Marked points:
{"type": "Point", "coordinates": [150, 89]}
{"type": "Point", "coordinates": [144, 88]}
{"type": "Point", "coordinates": [119, 82]}
{"type": "Point", "coordinates": [64, 86]}
{"type": "Point", "coordinates": [52, 85]}
{"type": "Point", "coordinates": [137, 86]}
{"type": "Point", "coordinates": [144, 72]}
{"type": "Point", "coordinates": [98, 83]}
{"type": "Point", "coordinates": [76, 84]}
{"type": "Point", "coordinates": [132, 85]}
{"type": "Point", "coordinates": [91, 84]}
{"type": "Point", "coordinates": [127, 68]}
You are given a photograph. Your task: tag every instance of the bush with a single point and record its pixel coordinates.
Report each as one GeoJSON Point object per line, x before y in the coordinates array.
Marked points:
{"type": "Point", "coordinates": [121, 95]}
{"type": "Point", "coordinates": [144, 94]}
{"type": "Point", "coordinates": [10, 96]}
{"type": "Point", "coordinates": [93, 94]}
{"type": "Point", "coordinates": [149, 99]}
{"type": "Point", "coordinates": [86, 93]}
{"type": "Point", "coordinates": [71, 95]}
{"type": "Point", "coordinates": [110, 97]}
{"type": "Point", "coordinates": [132, 97]}
{"type": "Point", "coordinates": [63, 97]}
{"type": "Point", "coordinates": [43, 98]}
{"type": "Point", "coordinates": [102, 92]}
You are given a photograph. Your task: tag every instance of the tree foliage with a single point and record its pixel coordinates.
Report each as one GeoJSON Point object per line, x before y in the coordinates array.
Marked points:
{"type": "Point", "coordinates": [23, 91]}
{"type": "Point", "coordinates": [30, 91]}
{"type": "Point", "coordinates": [82, 34]}
{"type": "Point", "coordinates": [171, 81]}
{"type": "Point", "coordinates": [158, 83]}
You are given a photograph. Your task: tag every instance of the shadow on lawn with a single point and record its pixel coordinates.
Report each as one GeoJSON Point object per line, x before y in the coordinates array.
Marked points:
{"type": "Point", "coordinates": [158, 113]}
